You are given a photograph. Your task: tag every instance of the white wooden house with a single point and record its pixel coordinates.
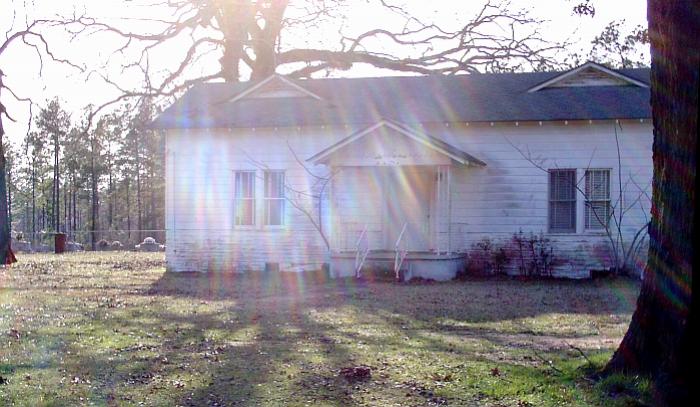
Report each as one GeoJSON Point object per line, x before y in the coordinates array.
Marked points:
{"type": "Point", "coordinates": [408, 172]}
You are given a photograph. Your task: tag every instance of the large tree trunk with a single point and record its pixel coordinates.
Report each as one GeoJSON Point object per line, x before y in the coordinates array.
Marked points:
{"type": "Point", "coordinates": [658, 343]}
{"type": "Point", "coordinates": [6, 255]}
{"type": "Point", "coordinates": [9, 195]}
{"type": "Point", "coordinates": [5, 250]}
{"type": "Point", "coordinates": [234, 25]}
{"type": "Point", "coordinates": [5, 242]}
{"type": "Point", "coordinates": [265, 41]}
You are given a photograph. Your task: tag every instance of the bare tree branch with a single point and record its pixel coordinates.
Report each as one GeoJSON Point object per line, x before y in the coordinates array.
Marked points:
{"type": "Point", "coordinates": [620, 249]}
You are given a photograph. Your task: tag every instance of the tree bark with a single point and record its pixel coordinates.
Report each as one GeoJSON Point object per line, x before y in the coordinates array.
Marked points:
{"type": "Point", "coordinates": [6, 255]}
{"type": "Point", "coordinates": [659, 341]}
{"type": "Point", "coordinates": [9, 195]}
{"type": "Point", "coordinates": [5, 243]}
{"type": "Point", "coordinates": [234, 25]}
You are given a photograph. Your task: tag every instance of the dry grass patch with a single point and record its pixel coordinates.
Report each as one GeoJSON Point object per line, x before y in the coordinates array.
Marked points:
{"type": "Point", "coordinates": [115, 329]}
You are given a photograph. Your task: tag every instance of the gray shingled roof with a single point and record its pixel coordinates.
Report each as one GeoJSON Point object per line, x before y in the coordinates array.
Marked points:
{"type": "Point", "coordinates": [410, 100]}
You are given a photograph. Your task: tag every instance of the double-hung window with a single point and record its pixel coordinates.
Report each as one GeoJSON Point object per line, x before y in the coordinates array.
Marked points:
{"type": "Point", "coordinates": [244, 198]}
{"type": "Point", "coordinates": [273, 211]}
{"type": "Point", "coordinates": [598, 210]}
{"type": "Point", "coordinates": [562, 201]}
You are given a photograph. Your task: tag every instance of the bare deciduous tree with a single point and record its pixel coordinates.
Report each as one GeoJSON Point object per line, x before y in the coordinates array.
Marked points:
{"type": "Point", "coordinates": [248, 37]}
{"type": "Point", "coordinates": [310, 201]}
{"type": "Point", "coordinates": [662, 337]}
{"type": "Point", "coordinates": [622, 249]}
{"type": "Point", "coordinates": [32, 36]}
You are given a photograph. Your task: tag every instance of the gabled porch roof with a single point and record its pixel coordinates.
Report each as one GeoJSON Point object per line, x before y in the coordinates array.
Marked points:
{"type": "Point", "coordinates": [426, 140]}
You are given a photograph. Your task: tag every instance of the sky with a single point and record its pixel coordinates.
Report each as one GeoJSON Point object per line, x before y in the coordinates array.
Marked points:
{"type": "Point", "coordinates": [77, 89]}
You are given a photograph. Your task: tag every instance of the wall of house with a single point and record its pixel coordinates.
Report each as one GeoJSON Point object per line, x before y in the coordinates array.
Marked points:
{"type": "Point", "coordinates": [508, 195]}
{"type": "Point", "coordinates": [200, 169]}
{"type": "Point", "coordinates": [511, 193]}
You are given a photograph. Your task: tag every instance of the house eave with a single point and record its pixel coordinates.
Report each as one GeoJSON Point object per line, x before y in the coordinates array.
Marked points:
{"type": "Point", "coordinates": [589, 64]}
{"type": "Point", "coordinates": [267, 80]}
{"type": "Point", "coordinates": [440, 146]}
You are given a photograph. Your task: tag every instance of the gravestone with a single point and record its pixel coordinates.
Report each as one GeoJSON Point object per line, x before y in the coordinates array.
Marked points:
{"type": "Point", "coordinates": [149, 244]}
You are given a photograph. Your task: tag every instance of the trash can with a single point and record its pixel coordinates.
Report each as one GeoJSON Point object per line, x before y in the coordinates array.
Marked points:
{"type": "Point", "coordinates": [59, 243]}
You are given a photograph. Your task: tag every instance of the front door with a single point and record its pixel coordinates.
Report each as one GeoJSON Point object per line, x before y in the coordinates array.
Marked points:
{"type": "Point", "coordinates": [407, 192]}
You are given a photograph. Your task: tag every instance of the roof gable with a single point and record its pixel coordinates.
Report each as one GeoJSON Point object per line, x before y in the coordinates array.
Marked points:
{"type": "Point", "coordinates": [275, 87]}
{"type": "Point", "coordinates": [587, 75]}
{"type": "Point", "coordinates": [384, 126]}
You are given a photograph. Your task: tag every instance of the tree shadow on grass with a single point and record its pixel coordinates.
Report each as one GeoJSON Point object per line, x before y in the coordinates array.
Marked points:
{"type": "Point", "coordinates": [283, 338]}
{"type": "Point", "coordinates": [248, 352]}
{"type": "Point", "coordinates": [471, 301]}
{"type": "Point", "coordinates": [276, 302]}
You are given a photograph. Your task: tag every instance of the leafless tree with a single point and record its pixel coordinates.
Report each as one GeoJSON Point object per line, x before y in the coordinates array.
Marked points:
{"type": "Point", "coordinates": [249, 38]}
{"type": "Point", "coordinates": [30, 34]}
{"type": "Point", "coordinates": [621, 248]}
{"type": "Point", "coordinates": [309, 201]}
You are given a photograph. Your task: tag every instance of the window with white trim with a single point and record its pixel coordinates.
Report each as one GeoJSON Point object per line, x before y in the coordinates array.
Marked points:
{"type": "Point", "coordinates": [244, 199]}
{"type": "Point", "coordinates": [273, 198]}
{"type": "Point", "coordinates": [598, 210]}
{"type": "Point", "coordinates": [562, 201]}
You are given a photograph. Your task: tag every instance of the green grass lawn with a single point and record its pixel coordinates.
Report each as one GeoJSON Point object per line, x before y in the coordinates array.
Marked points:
{"type": "Point", "coordinates": [115, 329]}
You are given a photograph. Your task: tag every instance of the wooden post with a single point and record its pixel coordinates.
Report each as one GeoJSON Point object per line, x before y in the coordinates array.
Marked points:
{"type": "Point", "coordinates": [449, 210]}
{"type": "Point", "coordinates": [438, 204]}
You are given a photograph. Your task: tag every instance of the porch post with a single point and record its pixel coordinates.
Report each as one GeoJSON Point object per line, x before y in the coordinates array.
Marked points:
{"type": "Point", "coordinates": [449, 210]}
{"type": "Point", "coordinates": [443, 208]}
{"type": "Point", "coordinates": [333, 235]}
{"type": "Point", "coordinates": [438, 205]}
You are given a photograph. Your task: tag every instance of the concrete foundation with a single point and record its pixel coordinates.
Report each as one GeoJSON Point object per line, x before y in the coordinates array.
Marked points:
{"type": "Point", "coordinates": [426, 265]}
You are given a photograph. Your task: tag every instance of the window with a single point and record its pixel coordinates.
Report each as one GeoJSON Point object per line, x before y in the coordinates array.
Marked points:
{"type": "Point", "coordinates": [244, 199]}
{"type": "Point", "coordinates": [597, 199]}
{"type": "Point", "coordinates": [274, 198]}
{"type": "Point", "coordinates": [562, 201]}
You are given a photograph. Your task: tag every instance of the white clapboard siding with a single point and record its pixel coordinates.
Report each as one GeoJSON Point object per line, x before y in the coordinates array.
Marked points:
{"type": "Point", "coordinates": [509, 194]}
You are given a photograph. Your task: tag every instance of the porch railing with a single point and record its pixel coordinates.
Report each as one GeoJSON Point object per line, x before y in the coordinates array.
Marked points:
{"type": "Point", "coordinates": [401, 251]}
{"type": "Point", "coordinates": [361, 251]}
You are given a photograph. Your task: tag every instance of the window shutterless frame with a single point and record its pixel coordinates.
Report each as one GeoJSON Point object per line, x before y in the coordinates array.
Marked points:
{"type": "Point", "coordinates": [274, 198]}
{"type": "Point", "coordinates": [562, 201]}
{"type": "Point", "coordinates": [597, 209]}
{"type": "Point", "coordinates": [244, 199]}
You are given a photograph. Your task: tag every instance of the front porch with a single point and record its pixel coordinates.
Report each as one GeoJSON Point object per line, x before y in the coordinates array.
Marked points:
{"type": "Point", "coordinates": [397, 219]}
{"type": "Point", "coordinates": [416, 264]}
{"type": "Point", "coordinates": [391, 203]}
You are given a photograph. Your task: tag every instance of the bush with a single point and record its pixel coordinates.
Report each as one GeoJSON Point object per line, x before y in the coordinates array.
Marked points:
{"type": "Point", "coordinates": [501, 260]}
{"type": "Point", "coordinates": [486, 259]}
{"type": "Point", "coordinates": [535, 254]}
